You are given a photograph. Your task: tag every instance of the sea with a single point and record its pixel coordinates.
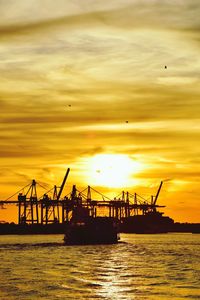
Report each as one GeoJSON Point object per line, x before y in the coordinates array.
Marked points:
{"type": "Point", "coordinates": [153, 266]}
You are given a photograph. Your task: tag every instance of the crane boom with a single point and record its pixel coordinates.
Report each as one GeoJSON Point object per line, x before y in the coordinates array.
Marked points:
{"type": "Point", "coordinates": [63, 184]}
{"type": "Point", "coordinates": [158, 192]}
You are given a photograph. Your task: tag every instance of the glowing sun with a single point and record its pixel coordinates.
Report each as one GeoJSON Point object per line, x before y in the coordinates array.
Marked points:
{"type": "Point", "coordinates": [112, 170]}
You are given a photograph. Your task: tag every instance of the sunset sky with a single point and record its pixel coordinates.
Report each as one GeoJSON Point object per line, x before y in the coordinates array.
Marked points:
{"type": "Point", "coordinates": [110, 89]}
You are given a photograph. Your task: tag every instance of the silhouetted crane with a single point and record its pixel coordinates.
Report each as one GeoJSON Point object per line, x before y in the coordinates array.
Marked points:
{"type": "Point", "coordinates": [158, 192]}
{"type": "Point", "coordinates": [63, 184]}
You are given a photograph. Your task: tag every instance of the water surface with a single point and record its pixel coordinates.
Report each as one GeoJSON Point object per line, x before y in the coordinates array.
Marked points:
{"type": "Point", "coordinates": [164, 266]}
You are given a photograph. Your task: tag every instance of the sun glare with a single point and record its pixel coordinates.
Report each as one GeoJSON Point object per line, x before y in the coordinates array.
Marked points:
{"type": "Point", "coordinates": [112, 170]}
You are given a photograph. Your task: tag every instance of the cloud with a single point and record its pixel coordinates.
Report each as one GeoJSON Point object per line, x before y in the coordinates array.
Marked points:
{"type": "Point", "coordinates": [107, 61]}
{"type": "Point", "coordinates": [129, 16]}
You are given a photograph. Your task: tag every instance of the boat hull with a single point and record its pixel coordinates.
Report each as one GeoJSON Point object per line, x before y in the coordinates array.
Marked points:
{"type": "Point", "coordinates": [99, 230]}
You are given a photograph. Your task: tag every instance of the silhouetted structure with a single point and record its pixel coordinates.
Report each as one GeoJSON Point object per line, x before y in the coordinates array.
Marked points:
{"type": "Point", "coordinates": [51, 215]}
{"type": "Point", "coordinates": [85, 228]}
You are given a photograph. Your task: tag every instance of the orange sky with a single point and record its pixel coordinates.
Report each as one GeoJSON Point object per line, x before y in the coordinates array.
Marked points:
{"type": "Point", "coordinates": [73, 72]}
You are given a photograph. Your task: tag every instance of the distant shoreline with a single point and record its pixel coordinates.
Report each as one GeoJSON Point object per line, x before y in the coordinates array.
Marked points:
{"type": "Point", "coordinates": [59, 228]}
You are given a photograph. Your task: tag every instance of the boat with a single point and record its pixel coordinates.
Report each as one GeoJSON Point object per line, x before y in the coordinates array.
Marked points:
{"type": "Point", "coordinates": [151, 222]}
{"type": "Point", "coordinates": [84, 229]}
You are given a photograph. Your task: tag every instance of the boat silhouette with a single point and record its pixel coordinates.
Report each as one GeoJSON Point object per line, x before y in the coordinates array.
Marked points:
{"type": "Point", "coordinates": [86, 229]}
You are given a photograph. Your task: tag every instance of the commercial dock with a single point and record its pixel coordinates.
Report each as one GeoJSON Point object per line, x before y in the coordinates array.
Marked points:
{"type": "Point", "coordinates": [48, 214]}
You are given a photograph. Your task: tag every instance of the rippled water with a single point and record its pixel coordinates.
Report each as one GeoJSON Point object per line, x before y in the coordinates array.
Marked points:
{"type": "Point", "coordinates": [139, 267]}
